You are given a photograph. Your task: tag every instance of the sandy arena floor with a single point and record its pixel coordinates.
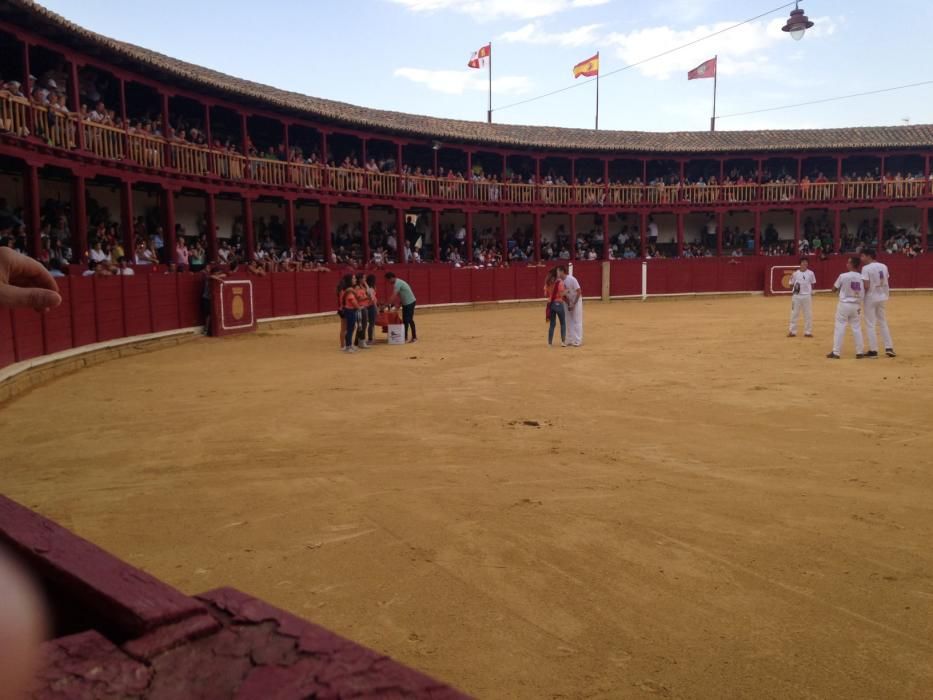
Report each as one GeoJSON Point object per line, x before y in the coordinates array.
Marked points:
{"type": "Point", "coordinates": [706, 509]}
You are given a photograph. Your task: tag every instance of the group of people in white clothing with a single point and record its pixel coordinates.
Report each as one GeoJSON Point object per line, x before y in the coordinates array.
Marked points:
{"type": "Point", "coordinates": [864, 285]}
{"type": "Point", "coordinates": [564, 305]}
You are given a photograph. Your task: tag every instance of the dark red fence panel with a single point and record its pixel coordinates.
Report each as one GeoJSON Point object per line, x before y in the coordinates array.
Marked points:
{"type": "Point", "coordinates": [441, 292]}
{"type": "Point", "coordinates": [262, 296]}
{"type": "Point", "coordinates": [526, 283]}
{"type": "Point", "coordinates": [7, 350]}
{"type": "Point", "coordinates": [419, 277]}
{"type": "Point", "coordinates": [503, 283]}
{"type": "Point", "coordinates": [108, 302]}
{"type": "Point", "coordinates": [190, 288]}
{"type": "Point", "coordinates": [306, 292]}
{"type": "Point", "coordinates": [327, 290]}
{"type": "Point", "coordinates": [283, 293]}
{"type": "Point", "coordinates": [137, 314]}
{"type": "Point", "coordinates": [83, 311]}
{"type": "Point", "coordinates": [27, 334]}
{"type": "Point", "coordinates": [461, 285]}
{"type": "Point", "coordinates": [482, 283]}
{"type": "Point", "coordinates": [163, 301]}
{"type": "Point", "coordinates": [56, 323]}
{"type": "Point", "coordinates": [625, 278]}
{"type": "Point", "coordinates": [590, 277]}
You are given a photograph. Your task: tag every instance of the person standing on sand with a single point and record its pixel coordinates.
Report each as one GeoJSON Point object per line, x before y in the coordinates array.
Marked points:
{"type": "Point", "coordinates": [555, 311]}
{"type": "Point", "coordinates": [574, 297]}
{"type": "Point", "coordinates": [401, 292]}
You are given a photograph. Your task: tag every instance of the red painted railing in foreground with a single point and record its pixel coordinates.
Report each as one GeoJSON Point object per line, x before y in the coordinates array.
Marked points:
{"type": "Point", "coordinates": [96, 309]}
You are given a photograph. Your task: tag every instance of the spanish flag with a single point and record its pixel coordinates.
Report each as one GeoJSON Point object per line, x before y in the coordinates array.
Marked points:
{"type": "Point", "coordinates": [587, 68]}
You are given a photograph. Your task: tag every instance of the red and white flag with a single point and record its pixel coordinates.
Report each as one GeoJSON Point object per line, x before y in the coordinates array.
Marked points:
{"type": "Point", "coordinates": [479, 58]}
{"type": "Point", "coordinates": [707, 69]}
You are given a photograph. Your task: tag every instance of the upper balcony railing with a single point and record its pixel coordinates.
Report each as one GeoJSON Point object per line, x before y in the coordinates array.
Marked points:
{"type": "Point", "coordinates": [64, 130]}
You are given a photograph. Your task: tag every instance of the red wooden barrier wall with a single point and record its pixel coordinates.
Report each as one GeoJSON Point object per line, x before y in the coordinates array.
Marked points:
{"type": "Point", "coordinates": [95, 309]}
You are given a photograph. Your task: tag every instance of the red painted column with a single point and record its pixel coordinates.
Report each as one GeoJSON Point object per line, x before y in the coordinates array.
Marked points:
{"type": "Point", "coordinates": [326, 178]}
{"type": "Point", "coordinates": [837, 230]}
{"type": "Point", "coordinates": [249, 232]}
{"type": "Point", "coordinates": [436, 224]}
{"type": "Point", "coordinates": [33, 208]}
{"type": "Point", "coordinates": [211, 211]}
{"type": "Point", "coordinates": [838, 187]}
{"type": "Point", "coordinates": [757, 232]}
{"type": "Point", "coordinates": [504, 234]}
{"type": "Point", "coordinates": [468, 256]}
{"type": "Point", "coordinates": [880, 241]}
{"type": "Point", "coordinates": [244, 137]}
{"type": "Point", "coordinates": [607, 244]}
{"type": "Point", "coordinates": [166, 121]}
{"type": "Point", "coordinates": [289, 222]}
{"type": "Point", "coordinates": [326, 233]}
{"type": "Point", "coordinates": [924, 227]}
{"type": "Point", "coordinates": [75, 103]}
{"type": "Point", "coordinates": [797, 213]}
{"type": "Point", "coordinates": [123, 116]}
{"type": "Point", "coordinates": [680, 235]}
{"type": "Point", "coordinates": [469, 174]}
{"type": "Point", "coordinates": [400, 235]}
{"type": "Point", "coordinates": [79, 213]}
{"type": "Point", "coordinates": [30, 116]}
{"type": "Point", "coordinates": [364, 227]}
{"type": "Point", "coordinates": [537, 220]}
{"type": "Point", "coordinates": [168, 225]}
{"type": "Point", "coordinates": [536, 195]}
{"type": "Point", "coordinates": [720, 218]}
{"type": "Point", "coordinates": [207, 127]}
{"type": "Point", "coordinates": [126, 218]}
{"type": "Point", "coordinates": [722, 169]}
{"type": "Point", "coordinates": [572, 219]}
{"type": "Point", "coordinates": [643, 231]}
{"type": "Point", "coordinates": [644, 171]}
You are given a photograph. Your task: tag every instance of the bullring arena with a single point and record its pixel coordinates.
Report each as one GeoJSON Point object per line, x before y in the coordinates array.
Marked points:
{"type": "Point", "coordinates": [690, 505]}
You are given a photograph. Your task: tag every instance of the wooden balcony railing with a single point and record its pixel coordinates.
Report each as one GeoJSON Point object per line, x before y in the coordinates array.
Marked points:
{"type": "Point", "coordinates": [61, 129]}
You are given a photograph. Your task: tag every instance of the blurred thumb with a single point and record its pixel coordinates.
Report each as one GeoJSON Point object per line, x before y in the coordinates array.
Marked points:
{"type": "Point", "coordinates": [28, 298]}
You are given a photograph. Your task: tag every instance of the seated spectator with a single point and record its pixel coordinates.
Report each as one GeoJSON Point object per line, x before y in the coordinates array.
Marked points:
{"type": "Point", "coordinates": [123, 268]}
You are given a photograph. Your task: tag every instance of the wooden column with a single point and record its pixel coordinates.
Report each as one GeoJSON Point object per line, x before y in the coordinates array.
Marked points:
{"type": "Point", "coordinates": [211, 212]}
{"type": "Point", "coordinates": [572, 220]}
{"type": "Point", "coordinates": [326, 233]}
{"type": "Point", "coordinates": [537, 251]}
{"type": "Point", "coordinates": [606, 242]}
{"type": "Point", "coordinates": [469, 174]}
{"type": "Point", "coordinates": [364, 227]}
{"type": "Point", "coordinates": [168, 225]}
{"type": "Point", "coordinates": [289, 223]}
{"type": "Point", "coordinates": [166, 122]}
{"type": "Point", "coordinates": [33, 209]}
{"type": "Point", "coordinates": [680, 234]}
{"type": "Point", "coordinates": [797, 213]}
{"type": "Point", "coordinates": [127, 219]}
{"type": "Point", "coordinates": [643, 232]}
{"type": "Point", "coordinates": [76, 105]}
{"type": "Point", "coordinates": [504, 234]}
{"type": "Point", "coordinates": [468, 257]}
{"type": "Point", "coordinates": [879, 243]}
{"type": "Point", "coordinates": [536, 194]}
{"type": "Point", "coordinates": [644, 171]}
{"type": "Point", "coordinates": [326, 173]}
{"type": "Point", "coordinates": [125, 118]}
{"type": "Point", "coordinates": [924, 227]}
{"type": "Point", "coordinates": [722, 169]}
{"type": "Point", "coordinates": [837, 230]}
{"type": "Point", "coordinates": [400, 234]}
{"type": "Point", "coordinates": [249, 232]}
{"type": "Point", "coordinates": [30, 116]}
{"type": "Point", "coordinates": [757, 232]}
{"type": "Point", "coordinates": [436, 224]}
{"type": "Point", "coordinates": [244, 134]}
{"type": "Point", "coordinates": [720, 219]}
{"type": "Point", "coordinates": [79, 215]}
{"type": "Point", "coordinates": [207, 126]}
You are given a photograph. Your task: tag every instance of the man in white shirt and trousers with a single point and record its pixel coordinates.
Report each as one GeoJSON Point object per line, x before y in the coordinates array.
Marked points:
{"type": "Point", "coordinates": [802, 283]}
{"type": "Point", "coordinates": [877, 281]}
{"type": "Point", "coordinates": [848, 310]}
{"type": "Point", "coordinates": [574, 297]}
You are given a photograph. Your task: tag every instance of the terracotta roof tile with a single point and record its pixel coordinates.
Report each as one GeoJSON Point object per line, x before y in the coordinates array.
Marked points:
{"type": "Point", "coordinates": [503, 135]}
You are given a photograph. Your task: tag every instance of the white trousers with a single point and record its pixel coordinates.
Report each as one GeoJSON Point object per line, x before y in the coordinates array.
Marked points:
{"type": "Point", "coordinates": [847, 314]}
{"type": "Point", "coordinates": [876, 316]}
{"type": "Point", "coordinates": [575, 323]}
{"type": "Point", "coordinates": [801, 304]}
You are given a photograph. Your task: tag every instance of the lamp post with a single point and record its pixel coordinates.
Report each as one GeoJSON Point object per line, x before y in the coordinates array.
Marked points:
{"type": "Point", "coordinates": [798, 23]}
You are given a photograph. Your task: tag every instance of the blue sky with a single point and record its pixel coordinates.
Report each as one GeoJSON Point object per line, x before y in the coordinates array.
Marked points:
{"type": "Point", "coordinates": [411, 55]}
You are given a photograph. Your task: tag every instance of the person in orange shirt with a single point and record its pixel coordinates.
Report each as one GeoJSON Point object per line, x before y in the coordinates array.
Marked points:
{"type": "Point", "coordinates": [554, 291]}
{"type": "Point", "coordinates": [349, 307]}
{"type": "Point", "coordinates": [363, 301]}
{"type": "Point", "coordinates": [373, 307]}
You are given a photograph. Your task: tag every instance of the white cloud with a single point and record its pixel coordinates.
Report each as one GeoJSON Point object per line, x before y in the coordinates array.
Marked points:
{"type": "Point", "coordinates": [743, 50]}
{"type": "Point", "coordinates": [456, 82]}
{"type": "Point", "coordinates": [495, 9]}
{"type": "Point", "coordinates": [533, 34]}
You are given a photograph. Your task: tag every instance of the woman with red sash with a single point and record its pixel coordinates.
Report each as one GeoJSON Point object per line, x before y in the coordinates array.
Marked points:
{"type": "Point", "coordinates": [554, 291]}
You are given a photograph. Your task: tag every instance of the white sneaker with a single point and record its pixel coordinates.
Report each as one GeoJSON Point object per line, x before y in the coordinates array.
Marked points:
{"type": "Point", "coordinates": [563, 344]}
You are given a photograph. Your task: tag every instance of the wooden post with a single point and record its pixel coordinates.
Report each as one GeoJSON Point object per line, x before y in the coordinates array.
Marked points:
{"type": "Point", "coordinates": [33, 209]}
{"type": "Point", "coordinates": [289, 223]}
{"type": "Point", "coordinates": [720, 219]}
{"type": "Point", "coordinates": [469, 174]}
{"type": "Point", "coordinates": [326, 233]}
{"type": "Point", "coordinates": [127, 219]}
{"type": "Point", "coordinates": [469, 237]}
{"type": "Point", "coordinates": [504, 235]}
{"type": "Point", "coordinates": [606, 242]}
{"type": "Point", "coordinates": [572, 221]}
{"type": "Point", "coordinates": [400, 235]}
{"type": "Point", "coordinates": [326, 173]}
{"type": "Point", "coordinates": [924, 228]}
{"type": "Point", "coordinates": [249, 232]}
{"type": "Point", "coordinates": [207, 127]}
{"type": "Point", "coordinates": [757, 232]}
{"type": "Point", "coordinates": [168, 225]}
{"type": "Point", "coordinates": [837, 231]}
{"type": "Point", "coordinates": [680, 235]}
{"type": "Point", "coordinates": [364, 227]}
{"type": "Point", "coordinates": [643, 232]}
{"type": "Point", "coordinates": [537, 222]}
{"type": "Point", "coordinates": [30, 115]}
{"type": "Point", "coordinates": [880, 242]}
{"type": "Point", "coordinates": [79, 213]}
{"type": "Point", "coordinates": [797, 212]}
{"type": "Point", "coordinates": [436, 224]}
{"type": "Point", "coordinates": [211, 226]}
{"type": "Point", "coordinates": [125, 118]}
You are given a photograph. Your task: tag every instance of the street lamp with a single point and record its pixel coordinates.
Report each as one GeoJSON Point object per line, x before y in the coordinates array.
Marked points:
{"type": "Point", "coordinates": [798, 24]}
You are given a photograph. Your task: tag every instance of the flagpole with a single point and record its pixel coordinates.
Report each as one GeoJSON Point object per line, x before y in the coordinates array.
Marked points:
{"type": "Point", "coordinates": [712, 122]}
{"type": "Point", "coordinates": [597, 91]}
{"type": "Point", "coordinates": [489, 113]}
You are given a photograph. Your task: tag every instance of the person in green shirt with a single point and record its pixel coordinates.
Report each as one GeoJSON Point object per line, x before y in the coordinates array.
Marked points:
{"type": "Point", "coordinates": [402, 294]}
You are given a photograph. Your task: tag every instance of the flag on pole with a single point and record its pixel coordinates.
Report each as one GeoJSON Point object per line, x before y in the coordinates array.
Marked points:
{"type": "Point", "coordinates": [478, 59]}
{"type": "Point", "coordinates": [707, 69]}
{"type": "Point", "coordinates": [587, 68]}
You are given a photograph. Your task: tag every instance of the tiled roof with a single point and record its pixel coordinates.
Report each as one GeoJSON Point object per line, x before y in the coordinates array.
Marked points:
{"type": "Point", "coordinates": [481, 133]}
